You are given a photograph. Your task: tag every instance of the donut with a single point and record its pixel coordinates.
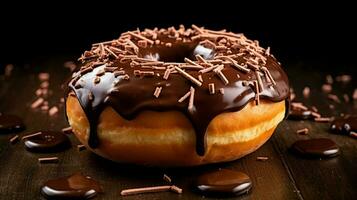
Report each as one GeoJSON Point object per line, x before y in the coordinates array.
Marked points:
{"type": "Point", "coordinates": [176, 97]}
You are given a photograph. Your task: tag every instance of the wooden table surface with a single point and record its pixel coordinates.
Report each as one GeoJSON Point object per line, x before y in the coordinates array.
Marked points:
{"type": "Point", "coordinates": [283, 176]}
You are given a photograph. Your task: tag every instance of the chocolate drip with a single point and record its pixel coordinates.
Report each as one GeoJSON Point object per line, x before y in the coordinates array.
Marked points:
{"type": "Point", "coordinates": [287, 107]}
{"type": "Point", "coordinates": [128, 97]}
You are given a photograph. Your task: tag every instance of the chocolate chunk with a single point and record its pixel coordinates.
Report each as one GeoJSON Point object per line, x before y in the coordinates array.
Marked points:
{"type": "Point", "coordinates": [223, 183]}
{"type": "Point", "coordinates": [318, 147]}
{"type": "Point", "coordinates": [76, 186]}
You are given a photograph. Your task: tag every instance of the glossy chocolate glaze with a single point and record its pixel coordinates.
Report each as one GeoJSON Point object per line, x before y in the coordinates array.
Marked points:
{"type": "Point", "coordinates": [47, 141]}
{"type": "Point", "coordinates": [11, 123]}
{"type": "Point", "coordinates": [223, 182]}
{"type": "Point", "coordinates": [76, 186]}
{"type": "Point", "coordinates": [344, 125]}
{"type": "Point", "coordinates": [130, 96]}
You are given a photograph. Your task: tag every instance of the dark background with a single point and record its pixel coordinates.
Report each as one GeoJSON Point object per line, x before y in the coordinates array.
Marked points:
{"type": "Point", "coordinates": [298, 31]}
{"type": "Point", "coordinates": [311, 41]}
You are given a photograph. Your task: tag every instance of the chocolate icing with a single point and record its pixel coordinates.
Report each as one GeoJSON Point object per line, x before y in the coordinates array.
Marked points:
{"type": "Point", "coordinates": [128, 97]}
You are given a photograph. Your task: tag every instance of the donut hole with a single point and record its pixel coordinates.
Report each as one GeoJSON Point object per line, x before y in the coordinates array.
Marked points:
{"type": "Point", "coordinates": [176, 53]}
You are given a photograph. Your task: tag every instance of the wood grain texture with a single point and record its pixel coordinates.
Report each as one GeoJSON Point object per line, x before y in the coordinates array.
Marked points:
{"type": "Point", "coordinates": [282, 176]}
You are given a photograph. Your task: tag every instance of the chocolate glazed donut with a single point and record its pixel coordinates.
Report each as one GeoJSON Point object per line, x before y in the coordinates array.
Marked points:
{"type": "Point", "coordinates": [199, 72]}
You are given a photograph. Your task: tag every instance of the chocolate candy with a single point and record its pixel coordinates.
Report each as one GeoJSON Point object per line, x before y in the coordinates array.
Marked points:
{"type": "Point", "coordinates": [223, 182]}
{"type": "Point", "coordinates": [317, 147]}
{"type": "Point", "coordinates": [47, 141]}
{"type": "Point", "coordinates": [344, 125]}
{"type": "Point", "coordinates": [11, 123]}
{"type": "Point", "coordinates": [76, 186]}
{"type": "Point", "coordinates": [299, 114]}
